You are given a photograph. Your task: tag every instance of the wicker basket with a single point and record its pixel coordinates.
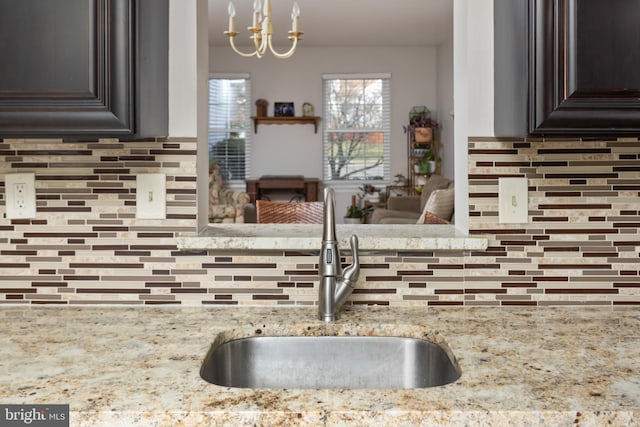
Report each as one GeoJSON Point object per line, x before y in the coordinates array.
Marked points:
{"type": "Point", "coordinates": [289, 213]}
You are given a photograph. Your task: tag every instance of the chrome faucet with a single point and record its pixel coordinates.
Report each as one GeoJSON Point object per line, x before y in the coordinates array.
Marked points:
{"type": "Point", "coordinates": [335, 285]}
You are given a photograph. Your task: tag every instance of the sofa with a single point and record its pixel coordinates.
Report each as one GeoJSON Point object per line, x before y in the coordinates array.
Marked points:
{"type": "Point", "coordinates": [434, 205]}
{"type": "Point", "coordinates": [225, 205]}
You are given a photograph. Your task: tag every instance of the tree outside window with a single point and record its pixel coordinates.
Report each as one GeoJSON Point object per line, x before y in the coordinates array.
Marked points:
{"type": "Point", "coordinates": [356, 128]}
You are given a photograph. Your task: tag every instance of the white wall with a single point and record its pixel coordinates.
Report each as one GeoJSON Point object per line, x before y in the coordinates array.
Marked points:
{"type": "Point", "coordinates": [473, 84]}
{"type": "Point", "coordinates": [473, 89]}
{"type": "Point", "coordinates": [299, 79]}
{"type": "Point", "coordinates": [183, 42]}
{"type": "Point", "coordinates": [445, 106]}
{"type": "Point", "coordinates": [480, 67]}
{"type": "Point", "coordinates": [188, 73]}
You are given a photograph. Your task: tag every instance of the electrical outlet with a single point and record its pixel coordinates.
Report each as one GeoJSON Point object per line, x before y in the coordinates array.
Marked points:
{"type": "Point", "coordinates": [513, 200]}
{"type": "Point", "coordinates": [20, 195]}
{"type": "Point", "coordinates": [151, 196]}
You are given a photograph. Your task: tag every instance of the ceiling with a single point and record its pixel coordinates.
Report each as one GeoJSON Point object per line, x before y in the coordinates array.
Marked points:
{"type": "Point", "coordinates": [344, 22]}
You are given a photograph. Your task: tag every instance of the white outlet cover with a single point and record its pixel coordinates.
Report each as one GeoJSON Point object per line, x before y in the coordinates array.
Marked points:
{"type": "Point", "coordinates": [151, 196]}
{"type": "Point", "coordinates": [513, 201]}
{"type": "Point", "coordinates": [20, 195]}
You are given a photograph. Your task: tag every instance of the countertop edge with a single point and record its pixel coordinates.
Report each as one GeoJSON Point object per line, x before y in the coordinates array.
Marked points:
{"type": "Point", "coordinates": [308, 237]}
{"type": "Point", "coordinates": [440, 417]}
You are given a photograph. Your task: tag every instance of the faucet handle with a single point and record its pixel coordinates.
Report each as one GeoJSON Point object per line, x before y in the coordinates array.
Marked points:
{"type": "Point", "coordinates": [353, 241]}
{"type": "Point", "coordinates": [349, 275]}
{"type": "Point", "coordinates": [352, 272]}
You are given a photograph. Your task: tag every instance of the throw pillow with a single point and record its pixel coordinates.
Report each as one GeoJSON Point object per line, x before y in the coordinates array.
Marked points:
{"type": "Point", "coordinates": [435, 182]}
{"type": "Point", "coordinates": [430, 218]}
{"type": "Point", "coordinates": [440, 204]}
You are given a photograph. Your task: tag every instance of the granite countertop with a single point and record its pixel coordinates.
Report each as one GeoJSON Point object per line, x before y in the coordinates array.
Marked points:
{"type": "Point", "coordinates": [309, 237]}
{"type": "Point", "coordinates": [140, 366]}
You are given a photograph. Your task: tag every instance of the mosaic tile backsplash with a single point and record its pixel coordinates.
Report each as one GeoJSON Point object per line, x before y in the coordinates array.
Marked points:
{"type": "Point", "coordinates": [580, 247]}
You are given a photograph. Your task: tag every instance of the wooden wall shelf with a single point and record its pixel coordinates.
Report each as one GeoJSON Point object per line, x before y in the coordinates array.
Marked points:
{"type": "Point", "coordinates": [304, 120]}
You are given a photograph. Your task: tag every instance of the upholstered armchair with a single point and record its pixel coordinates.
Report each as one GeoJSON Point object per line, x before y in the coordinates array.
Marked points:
{"type": "Point", "coordinates": [434, 205]}
{"type": "Point", "coordinates": [224, 205]}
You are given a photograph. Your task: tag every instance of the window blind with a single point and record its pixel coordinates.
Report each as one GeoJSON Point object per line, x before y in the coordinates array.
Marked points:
{"type": "Point", "coordinates": [357, 126]}
{"type": "Point", "coordinates": [230, 125]}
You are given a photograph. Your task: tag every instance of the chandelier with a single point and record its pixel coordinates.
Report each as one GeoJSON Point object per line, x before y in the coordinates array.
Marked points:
{"type": "Point", "coordinates": [262, 30]}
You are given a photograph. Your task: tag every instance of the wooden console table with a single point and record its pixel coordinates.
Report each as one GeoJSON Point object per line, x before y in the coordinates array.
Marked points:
{"type": "Point", "coordinates": [296, 183]}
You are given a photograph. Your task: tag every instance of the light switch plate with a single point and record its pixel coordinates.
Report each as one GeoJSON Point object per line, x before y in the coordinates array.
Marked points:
{"type": "Point", "coordinates": [151, 196]}
{"type": "Point", "coordinates": [513, 200]}
{"type": "Point", "coordinates": [20, 195]}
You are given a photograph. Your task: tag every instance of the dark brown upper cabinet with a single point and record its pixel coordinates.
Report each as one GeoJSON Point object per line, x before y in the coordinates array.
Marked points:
{"type": "Point", "coordinates": [567, 67]}
{"type": "Point", "coordinates": [83, 68]}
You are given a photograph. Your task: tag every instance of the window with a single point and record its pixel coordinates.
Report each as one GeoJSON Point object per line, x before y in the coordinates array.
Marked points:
{"type": "Point", "coordinates": [230, 125]}
{"type": "Point", "coordinates": [356, 127]}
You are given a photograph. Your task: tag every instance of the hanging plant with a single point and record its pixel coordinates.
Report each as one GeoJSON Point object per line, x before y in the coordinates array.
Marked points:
{"type": "Point", "coordinates": [421, 123]}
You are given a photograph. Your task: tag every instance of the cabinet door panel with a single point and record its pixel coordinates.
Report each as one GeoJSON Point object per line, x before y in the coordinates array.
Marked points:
{"type": "Point", "coordinates": [67, 67]}
{"type": "Point", "coordinates": [608, 45]}
{"type": "Point", "coordinates": [584, 57]}
{"type": "Point", "coordinates": [43, 54]}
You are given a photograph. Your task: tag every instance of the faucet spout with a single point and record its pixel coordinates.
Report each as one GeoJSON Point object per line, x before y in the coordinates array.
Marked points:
{"type": "Point", "coordinates": [329, 221]}
{"type": "Point", "coordinates": [329, 254]}
{"type": "Point", "coordinates": [335, 285]}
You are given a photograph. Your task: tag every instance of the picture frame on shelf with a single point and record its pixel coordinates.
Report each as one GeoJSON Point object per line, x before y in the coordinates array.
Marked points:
{"type": "Point", "coordinates": [283, 109]}
{"type": "Point", "coordinates": [307, 109]}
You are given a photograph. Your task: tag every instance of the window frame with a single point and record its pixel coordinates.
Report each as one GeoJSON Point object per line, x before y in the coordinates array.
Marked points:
{"type": "Point", "coordinates": [385, 129]}
{"type": "Point", "coordinates": [247, 125]}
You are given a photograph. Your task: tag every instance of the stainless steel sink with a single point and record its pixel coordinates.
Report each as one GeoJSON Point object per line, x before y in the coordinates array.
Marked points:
{"type": "Point", "coordinates": [345, 362]}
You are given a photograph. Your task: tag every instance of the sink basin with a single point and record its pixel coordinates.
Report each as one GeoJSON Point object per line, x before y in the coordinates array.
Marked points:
{"type": "Point", "coordinates": [344, 362]}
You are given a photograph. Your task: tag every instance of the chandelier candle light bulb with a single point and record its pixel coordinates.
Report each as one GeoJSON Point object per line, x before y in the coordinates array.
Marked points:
{"type": "Point", "coordinates": [266, 23]}
{"type": "Point", "coordinates": [257, 7]}
{"type": "Point", "coordinates": [295, 17]}
{"type": "Point", "coordinates": [232, 18]}
{"type": "Point", "coordinates": [262, 30]}
{"type": "Point", "coordinates": [267, 8]}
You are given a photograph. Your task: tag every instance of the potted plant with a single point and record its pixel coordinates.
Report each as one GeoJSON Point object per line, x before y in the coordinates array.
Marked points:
{"type": "Point", "coordinates": [427, 164]}
{"type": "Point", "coordinates": [424, 167]}
{"type": "Point", "coordinates": [369, 192]}
{"type": "Point", "coordinates": [433, 161]}
{"type": "Point", "coordinates": [354, 215]}
{"type": "Point", "coordinates": [399, 180]}
{"type": "Point", "coordinates": [422, 129]}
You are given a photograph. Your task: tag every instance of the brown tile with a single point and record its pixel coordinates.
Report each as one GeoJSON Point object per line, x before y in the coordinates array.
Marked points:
{"type": "Point", "coordinates": [445, 303]}
{"type": "Point", "coordinates": [519, 284]}
{"type": "Point", "coordinates": [112, 291]}
{"type": "Point", "coordinates": [519, 303]}
{"type": "Point", "coordinates": [382, 279]}
{"type": "Point", "coordinates": [148, 302]}
{"type": "Point", "coordinates": [207, 302]}
{"type": "Point", "coordinates": [358, 291]}
{"type": "Point", "coordinates": [449, 291]}
{"type": "Point", "coordinates": [239, 265]}
{"type": "Point", "coordinates": [188, 291]}
{"type": "Point", "coordinates": [105, 265]}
